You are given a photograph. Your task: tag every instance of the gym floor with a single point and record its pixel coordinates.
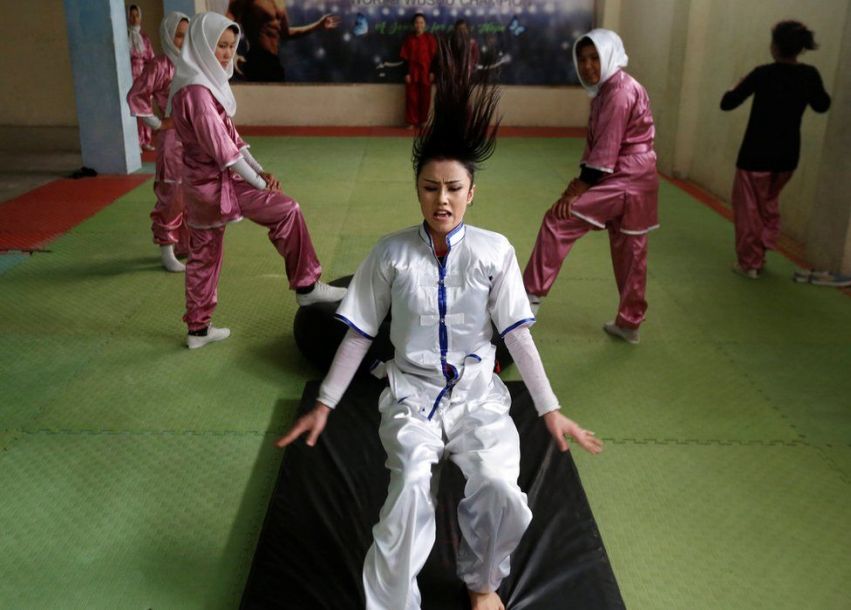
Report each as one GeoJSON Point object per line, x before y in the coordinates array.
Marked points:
{"type": "Point", "coordinates": [136, 474]}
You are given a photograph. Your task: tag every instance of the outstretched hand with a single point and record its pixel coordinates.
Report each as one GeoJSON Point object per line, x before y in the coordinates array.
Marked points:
{"type": "Point", "coordinates": [561, 426]}
{"type": "Point", "coordinates": [329, 21]}
{"type": "Point", "coordinates": [312, 422]}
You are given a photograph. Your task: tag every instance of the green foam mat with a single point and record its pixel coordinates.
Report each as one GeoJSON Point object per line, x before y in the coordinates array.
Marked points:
{"type": "Point", "coordinates": [723, 526]}
{"type": "Point", "coordinates": [135, 473]}
{"type": "Point", "coordinates": [130, 521]}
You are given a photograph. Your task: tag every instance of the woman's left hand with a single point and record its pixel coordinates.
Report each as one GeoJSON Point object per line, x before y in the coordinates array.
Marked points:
{"type": "Point", "coordinates": [271, 182]}
{"type": "Point", "coordinates": [561, 426]}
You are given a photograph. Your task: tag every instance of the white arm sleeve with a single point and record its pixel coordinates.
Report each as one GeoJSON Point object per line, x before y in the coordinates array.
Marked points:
{"type": "Point", "coordinates": [522, 348]}
{"type": "Point", "coordinates": [349, 355]}
{"type": "Point", "coordinates": [242, 168]}
{"type": "Point", "coordinates": [249, 158]}
{"type": "Point", "coordinates": [152, 121]}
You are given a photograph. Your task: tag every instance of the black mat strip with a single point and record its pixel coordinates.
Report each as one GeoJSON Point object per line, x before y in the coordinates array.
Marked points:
{"type": "Point", "coordinates": [327, 498]}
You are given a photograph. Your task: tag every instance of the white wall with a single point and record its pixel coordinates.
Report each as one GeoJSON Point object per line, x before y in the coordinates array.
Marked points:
{"type": "Point", "coordinates": [829, 235]}
{"type": "Point", "coordinates": [687, 53]}
{"type": "Point", "coordinates": [37, 87]}
{"type": "Point", "coordinates": [377, 105]}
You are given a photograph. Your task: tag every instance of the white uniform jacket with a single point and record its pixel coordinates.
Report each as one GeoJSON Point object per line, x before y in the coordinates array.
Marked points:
{"type": "Point", "coordinates": [441, 313]}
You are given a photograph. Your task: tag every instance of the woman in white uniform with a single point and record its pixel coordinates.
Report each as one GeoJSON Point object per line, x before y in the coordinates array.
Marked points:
{"type": "Point", "coordinates": [445, 283]}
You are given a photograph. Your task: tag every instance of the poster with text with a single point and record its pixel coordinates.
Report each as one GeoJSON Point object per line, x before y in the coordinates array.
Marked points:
{"type": "Point", "coordinates": [358, 41]}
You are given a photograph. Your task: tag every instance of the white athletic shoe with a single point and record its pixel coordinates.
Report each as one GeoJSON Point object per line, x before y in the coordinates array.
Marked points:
{"type": "Point", "coordinates": [213, 334]}
{"type": "Point", "coordinates": [751, 274]}
{"type": "Point", "coordinates": [630, 335]}
{"type": "Point", "coordinates": [534, 303]}
{"type": "Point", "coordinates": [827, 278]}
{"type": "Point", "coordinates": [802, 276]}
{"type": "Point", "coordinates": [169, 260]}
{"type": "Point", "coordinates": [321, 293]}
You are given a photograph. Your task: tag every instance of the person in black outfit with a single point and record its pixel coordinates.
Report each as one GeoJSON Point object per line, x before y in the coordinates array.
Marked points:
{"type": "Point", "coordinates": [772, 143]}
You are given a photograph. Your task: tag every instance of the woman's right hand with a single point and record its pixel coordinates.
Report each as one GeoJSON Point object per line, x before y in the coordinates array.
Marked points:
{"type": "Point", "coordinates": [312, 422]}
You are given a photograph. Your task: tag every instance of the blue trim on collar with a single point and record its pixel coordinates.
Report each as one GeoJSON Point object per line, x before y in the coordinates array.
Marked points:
{"type": "Point", "coordinates": [452, 238]}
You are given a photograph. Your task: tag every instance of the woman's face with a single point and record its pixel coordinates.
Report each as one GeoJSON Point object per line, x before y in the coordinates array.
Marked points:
{"type": "Point", "coordinates": [180, 34]}
{"type": "Point", "coordinates": [444, 189]}
{"type": "Point", "coordinates": [588, 61]}
{"type": "Point", "coordinates": [135, 17]}
{"type": "Point", "coordinates": [225, 48]}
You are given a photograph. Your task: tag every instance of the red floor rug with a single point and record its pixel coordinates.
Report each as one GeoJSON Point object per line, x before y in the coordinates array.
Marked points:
{"type": "Point", "coordinates": [30, 221]}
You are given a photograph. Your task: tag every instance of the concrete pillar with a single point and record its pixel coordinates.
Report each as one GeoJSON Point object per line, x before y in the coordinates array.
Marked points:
{"type": "Point", "coordinates": [829, 230]}
{"type": "Point", "coordinates": [100, 63]}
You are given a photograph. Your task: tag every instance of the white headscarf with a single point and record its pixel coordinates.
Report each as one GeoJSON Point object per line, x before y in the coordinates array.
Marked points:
{"type": "Point", "coordinates": [134, 32]}
{"type": "Point", "coordinates": [168, 28]}
{"type": "Point", "coordinates": [197, 64]}
{"type": "Point", "coordinates": [612, 56]}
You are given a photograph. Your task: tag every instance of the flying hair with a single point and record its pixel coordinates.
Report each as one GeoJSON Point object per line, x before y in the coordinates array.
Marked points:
{"type": "Point", "coordinates": [461, 126]}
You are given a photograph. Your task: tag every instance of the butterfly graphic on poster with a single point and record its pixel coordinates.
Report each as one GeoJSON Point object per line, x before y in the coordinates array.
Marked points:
{"type": "Point", "coordinates": [361, 25]}
{"type": "Point", "coordinates": [515, 27]}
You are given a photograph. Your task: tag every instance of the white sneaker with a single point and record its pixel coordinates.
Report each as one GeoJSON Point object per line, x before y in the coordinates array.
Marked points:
{"type": "Point", "coordinates": [802, 276]}
{"type": "Point", "coordinates": [751, 274]}
{"type": "Point", "coordinates": [534, 303]}
{"type": "Point", "coordinates": [169, 260]}
{"type": "Point", "coordinates": [321, 293]}
{"type": "Point", "coordinates": [630, 335]}
{"type": "Point", "coordinates": [213, 334]}
{"type": "Point", "coordinates": [826, 278]}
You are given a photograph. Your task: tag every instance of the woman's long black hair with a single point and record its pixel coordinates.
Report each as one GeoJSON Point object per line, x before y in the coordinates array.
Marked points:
{"type": "Point", "coordinates": [461, 126]}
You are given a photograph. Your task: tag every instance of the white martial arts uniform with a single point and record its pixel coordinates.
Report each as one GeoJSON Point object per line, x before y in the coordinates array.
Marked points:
{"type": "Point", "coordinates": [443, 400]}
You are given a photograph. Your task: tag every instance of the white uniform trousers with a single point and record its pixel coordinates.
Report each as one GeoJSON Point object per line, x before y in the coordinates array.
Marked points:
{"type": "Point", "coordinates": [493, 515]}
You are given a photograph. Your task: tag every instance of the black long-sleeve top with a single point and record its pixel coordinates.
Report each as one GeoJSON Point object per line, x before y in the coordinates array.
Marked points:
{"type": "Point", "coordinates": [781, 93]}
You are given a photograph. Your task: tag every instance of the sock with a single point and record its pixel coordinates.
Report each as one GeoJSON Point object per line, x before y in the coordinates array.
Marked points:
{"type": "Point", "coordinates": [305, 289]}
{"type": "Point", "coordinates": [198, 333]}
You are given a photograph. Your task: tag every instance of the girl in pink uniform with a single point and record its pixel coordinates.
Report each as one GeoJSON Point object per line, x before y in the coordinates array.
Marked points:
{"type": "Point", "coordinates": [153, 83]}
{"type": "Point", "coordinates": [616, 190]}
{"type": "Point", "coordinates": [222, 182]}
{"type": "Point", "coordinates": [141, 52]}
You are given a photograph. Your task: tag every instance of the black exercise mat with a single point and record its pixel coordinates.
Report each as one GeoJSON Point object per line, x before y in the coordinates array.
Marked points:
{"type": "Point", "coordinates": [326, 500]}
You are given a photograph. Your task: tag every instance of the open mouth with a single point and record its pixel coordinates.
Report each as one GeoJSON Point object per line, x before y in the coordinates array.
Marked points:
{"type": "Point", "coordinates": [442, 215]}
